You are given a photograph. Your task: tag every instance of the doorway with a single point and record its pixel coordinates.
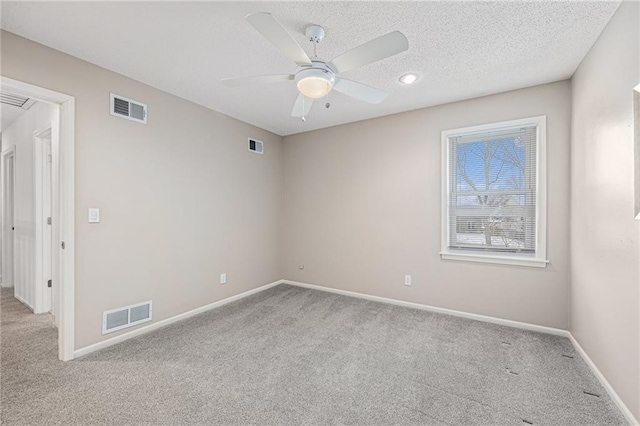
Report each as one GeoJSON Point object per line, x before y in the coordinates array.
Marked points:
{"type": "Point", "coordinates": [56, 200]}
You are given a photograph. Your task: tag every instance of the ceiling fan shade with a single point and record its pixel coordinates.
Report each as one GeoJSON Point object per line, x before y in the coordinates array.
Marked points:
{"type": "Point", "coordinates": [315, 82]}
{"type": "Point", "coordinates": [273, 31]}
{"type": "Point", "coordinates": [314, 87]}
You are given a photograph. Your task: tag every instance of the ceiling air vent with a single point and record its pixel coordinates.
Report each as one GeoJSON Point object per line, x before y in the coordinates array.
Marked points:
{"type": "Point", "coordinates": [256, 146]}
{"type": "Point", "coordinates": [129, 109]}
{"type": "Point", "coordinates": [117, 319]}
{"type": "Point", "coordinates": [16, 100]}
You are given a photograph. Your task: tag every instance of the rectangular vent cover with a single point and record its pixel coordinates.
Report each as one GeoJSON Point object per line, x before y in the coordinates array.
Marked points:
{"type": "Point", "coordinates": [16, 100]}
{"type": "Point", "coordinates": [256, 146]}
{"type": "Point", "coordinates": [117, 319]}
{"type": "Point", "coordinates": [129, 109]}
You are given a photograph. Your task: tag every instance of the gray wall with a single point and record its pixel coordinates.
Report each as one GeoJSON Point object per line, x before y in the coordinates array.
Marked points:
{"type": "Point", "coordinates": [362, 209]}
{"type": "Point", "coordinates": [181, 198]}
{"type": "Point", "coordinates": [605, 237]}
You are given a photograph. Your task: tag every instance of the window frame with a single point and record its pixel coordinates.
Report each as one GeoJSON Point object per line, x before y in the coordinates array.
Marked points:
{"type": "Point", "coordinates": [537, 259]}
{"type": "Point", "coordinates": [636, 162]}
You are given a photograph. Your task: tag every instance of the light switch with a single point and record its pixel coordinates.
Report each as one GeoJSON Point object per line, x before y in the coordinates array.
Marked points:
{"type": "Point", "coordinates": [94, 215]}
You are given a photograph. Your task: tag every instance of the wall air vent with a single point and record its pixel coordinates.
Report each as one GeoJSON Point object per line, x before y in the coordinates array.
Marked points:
{"type": "Point", "coordinates": [16, 100]}
{"type": "Point", "coordinates": [256, 146]}
{"type": "Point", "coordinates": [117, 319]}
{"type": "Point", "coordinates": [126, 108]}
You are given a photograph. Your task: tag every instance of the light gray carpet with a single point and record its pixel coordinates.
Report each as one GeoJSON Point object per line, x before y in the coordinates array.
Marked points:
{"type": "Point", "coordinates": [296, 356]}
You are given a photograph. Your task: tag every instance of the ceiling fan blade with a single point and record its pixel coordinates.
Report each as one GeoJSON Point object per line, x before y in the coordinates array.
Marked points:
{"type": "Point", "coordinates": [302, 106]}
{"type": "Point", "coordinates": [371, 51]}
{"type": "Point", "coordinates": [256, 79]}
{"type": "Point", "coordinates": [359, 91]}
{"type": "Point", "coordinates": [273, 31]}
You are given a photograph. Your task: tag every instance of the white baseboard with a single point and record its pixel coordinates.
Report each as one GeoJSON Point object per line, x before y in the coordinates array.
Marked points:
{"type": "Point", "coordinates": [156, 325]}
{"type": "Point", "coordinates": [24, 302]}
{"type": "Point", "coordinates": [603, 381]}
{"type": "Point", "coordinates": [477, 317]}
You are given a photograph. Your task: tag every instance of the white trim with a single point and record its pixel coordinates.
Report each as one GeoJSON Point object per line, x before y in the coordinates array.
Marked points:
{"type": "Point", "coordinates": [541, 189]}
{"type": "Point", "coordinates": [9, 152]}
{"type": "Point", "coordinates": [515, 259]}
{"type": "Point", "coordinates": [37, 210]}
{"type": "Point", "coordinates": [66, 230]}
{"type": "Point", "coordinates": [540, 258]}
{"type": "Point", "coordinates": [461, 314]}
{"type": "Point", "coordinates": [162, 323]}
{"type": "Point", "coordinates": [636, 144]}
{"type": "Point", "coordinates": [63, 230]}
{"type": "Point", "coordinates": [24, 302]}
{"type": "Point", "coordinates": [603, 381]}
{"type": "Point", "coordinates": [40, 305]}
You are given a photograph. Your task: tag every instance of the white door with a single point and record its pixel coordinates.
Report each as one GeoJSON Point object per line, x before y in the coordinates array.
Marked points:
{"type": "Point", "coordinates": [46, 214]}
{"type": "Point", "coordinates": [9, 225]}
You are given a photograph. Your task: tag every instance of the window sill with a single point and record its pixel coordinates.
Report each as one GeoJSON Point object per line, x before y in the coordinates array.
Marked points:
{"type": "Point", "coordinates": [516, 259]}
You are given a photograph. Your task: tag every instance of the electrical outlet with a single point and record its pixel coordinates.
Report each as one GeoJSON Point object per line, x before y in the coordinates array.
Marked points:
{"type": "Point", "coordinates": [223, 278]}
{"type": "Point", "coordinates": [407, 280]}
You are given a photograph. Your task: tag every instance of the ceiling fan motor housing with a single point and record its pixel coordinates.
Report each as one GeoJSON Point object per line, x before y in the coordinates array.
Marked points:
{"type": "Point", "coordinates": [315, 33]}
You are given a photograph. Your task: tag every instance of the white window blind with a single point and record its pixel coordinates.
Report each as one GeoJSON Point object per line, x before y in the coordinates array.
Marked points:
{"type": "Point", "coordinates": [492, 190]}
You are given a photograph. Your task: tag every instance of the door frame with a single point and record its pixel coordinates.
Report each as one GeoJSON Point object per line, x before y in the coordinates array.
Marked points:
{"type": "Point", "coordinates": [63, 205]}
{"type": "Point", "coordinates": [10, 152]}
{"type": "Point", "coordinates": [40, 305]}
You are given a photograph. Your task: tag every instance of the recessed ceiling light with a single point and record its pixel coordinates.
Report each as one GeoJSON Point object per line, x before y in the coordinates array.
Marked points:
{"type": "Point", "coordinates": [408, 78]}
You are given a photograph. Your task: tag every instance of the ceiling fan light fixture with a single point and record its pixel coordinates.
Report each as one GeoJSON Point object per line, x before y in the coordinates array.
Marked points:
{"type": "Point", "coordinates": [315, 82]}
{"type": "Point", "coordinates": [315, 78]}
{"type": "Point", "coordinates": [408, 78]}
{"type": "Point", "coordinates": [314, 87]}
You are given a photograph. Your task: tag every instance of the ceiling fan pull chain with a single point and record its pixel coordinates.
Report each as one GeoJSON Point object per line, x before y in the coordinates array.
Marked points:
{"type": "Point", "coordinates": [327, 105]}
{"type": "Point", "coordinates": [303, 117]}
{"type": "Point", "coordinates": [315, 49]}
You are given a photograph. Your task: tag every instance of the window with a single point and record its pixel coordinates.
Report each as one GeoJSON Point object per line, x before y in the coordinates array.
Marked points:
{"type": "Point", "coordinates": [494, 193]}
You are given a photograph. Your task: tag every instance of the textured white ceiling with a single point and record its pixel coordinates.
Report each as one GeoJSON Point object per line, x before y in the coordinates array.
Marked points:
{"type": "Point", "coordinates": [461, 49]}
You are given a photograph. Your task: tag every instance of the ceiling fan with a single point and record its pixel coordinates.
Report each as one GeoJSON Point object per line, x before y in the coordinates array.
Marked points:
{"type": "Point", "coordinates": [315, 77]}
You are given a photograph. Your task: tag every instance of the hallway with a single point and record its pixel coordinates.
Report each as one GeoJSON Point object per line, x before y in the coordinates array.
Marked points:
{"type": "Point", "coordinates": [37, 351]}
